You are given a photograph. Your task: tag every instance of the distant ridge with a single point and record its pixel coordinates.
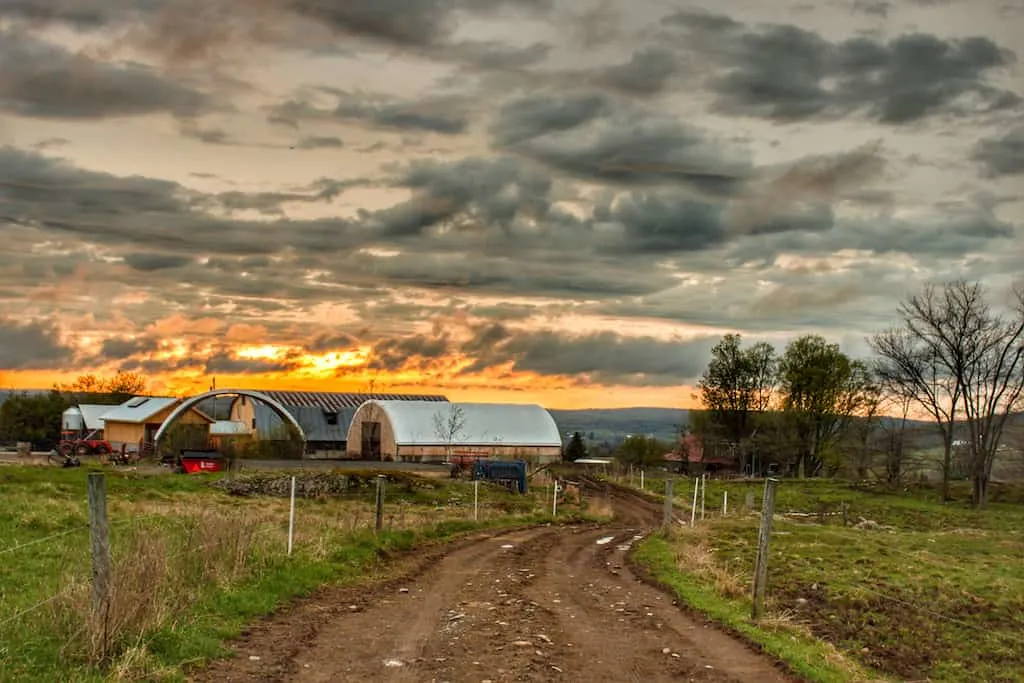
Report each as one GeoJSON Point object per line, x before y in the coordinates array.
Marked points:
{"type": "Point", "coordinates": [612, 425]}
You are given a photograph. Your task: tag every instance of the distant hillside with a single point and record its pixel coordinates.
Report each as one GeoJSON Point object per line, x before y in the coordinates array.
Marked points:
{"type": "Point", "coordinates": [612, 425]}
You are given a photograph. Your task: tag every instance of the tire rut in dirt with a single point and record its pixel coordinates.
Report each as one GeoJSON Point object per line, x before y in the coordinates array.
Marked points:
{"type": "Point", "coordinates": [403, 635]}
{"type": "Point", "coordinates": [545, 604]}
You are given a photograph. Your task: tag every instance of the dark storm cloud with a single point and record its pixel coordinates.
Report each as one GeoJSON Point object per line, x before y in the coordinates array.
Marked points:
{"type": "Point", "coordinates": [104, 209]}
{"type": "Point", "coordinates": [646, 73]}
{"type": "Point", "coordinates": [878, 8]}
{"type": "Point", "coordinates": [331, 342]}
{"type": "Point", "coordinates": [119, 349]}
{"type": "Point", "coordinates": [394, 354]}
{"type": "Point", "coordinates": [588, 138]}
{"type": "Point", "coordinates": [1002, 155]}
{"type": "Point", "coordinates": [491, 192]}
{"type": "Point", "coordinates": [530, 117]}
{"type": "Point", "coordinates": [211, 136]}
{"type": "Point", "coordinates": [786, 73]}
{"type": "Point", "coordinates": [148, 262]}
{"type": "Point", "coordinates": [441, 115]}
{"type": "Point", "coordinates": [401, 22]}
{"type": "Point", "coordinates": [603, 357]}
{"type": "Point", "coordinates": [31, 346]}
{"type": "Point", "coordinates": [46, 81]}
{"type": "Point", "coordinates": [479, 55]}
{"type": "Point", "coordinates": [319, 142]}
{"type": "Point", "coordinates": [517, 274]}
{"type": "Point", "coordinates": [87, 14]}
{"type": "Point", "coordinates": [225, 363]}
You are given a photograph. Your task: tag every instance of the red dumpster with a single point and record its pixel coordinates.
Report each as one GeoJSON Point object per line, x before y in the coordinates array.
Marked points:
{"type": "Point", "coordinates": [197, 462]}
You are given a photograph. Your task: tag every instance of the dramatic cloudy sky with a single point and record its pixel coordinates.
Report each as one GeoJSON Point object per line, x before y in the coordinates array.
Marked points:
{"type": "Point", "coordinates": [563, 201]}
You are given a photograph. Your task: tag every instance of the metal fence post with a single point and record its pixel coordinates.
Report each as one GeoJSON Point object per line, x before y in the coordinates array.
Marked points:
{"type": "Point", "coordinates": [291, 518]}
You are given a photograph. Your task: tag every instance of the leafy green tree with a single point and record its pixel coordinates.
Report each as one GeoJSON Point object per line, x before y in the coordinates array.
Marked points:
{"type": "Point", "coordinates": [640, 451]}
{"type": "Point", "coordinates": [575, 449]}
{"type": "Point", "coordinates": [34, 418]}
{"type": "Point", "coordinates": [737, 384]}
{"type": "Point", "coordinates": [822, 391]}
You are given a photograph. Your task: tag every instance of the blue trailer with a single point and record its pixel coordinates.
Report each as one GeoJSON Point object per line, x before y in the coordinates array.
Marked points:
{"type": "Point", "coordinates": [511, 473]}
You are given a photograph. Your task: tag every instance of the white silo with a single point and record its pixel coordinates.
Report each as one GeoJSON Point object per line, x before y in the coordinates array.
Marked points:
{"type": "Point", "coordinates": [72, 420]}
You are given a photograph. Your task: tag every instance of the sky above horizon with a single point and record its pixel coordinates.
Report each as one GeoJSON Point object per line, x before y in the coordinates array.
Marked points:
{"type": "Point", "coordinates": [553, 201]}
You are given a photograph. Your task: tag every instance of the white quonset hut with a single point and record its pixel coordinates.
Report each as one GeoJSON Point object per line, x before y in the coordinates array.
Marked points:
{"type": "Point", "coordinates": [415, 431]}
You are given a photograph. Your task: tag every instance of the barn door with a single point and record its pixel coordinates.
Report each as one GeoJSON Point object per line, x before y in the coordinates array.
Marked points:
{"type": "Point", "coordinates": [371, 441]}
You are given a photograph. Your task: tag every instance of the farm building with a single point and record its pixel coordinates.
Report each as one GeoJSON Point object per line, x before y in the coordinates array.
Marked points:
{"type": "Point", "coordinates": [323, 416]}
{"type": "Point", "coordinates": [422, 431]}
{"type": "Point", "coordinates": [92, 417]}
{"type": "Point", "coordinates": [134, 423]}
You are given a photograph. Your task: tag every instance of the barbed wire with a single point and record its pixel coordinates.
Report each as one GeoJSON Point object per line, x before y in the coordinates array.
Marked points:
{"type": "Point", "coordinates": [945, 617]}
{"type": "Point", "coordinates": [37, 606]}
{"type": "Point", "coordinates": [44, 539]}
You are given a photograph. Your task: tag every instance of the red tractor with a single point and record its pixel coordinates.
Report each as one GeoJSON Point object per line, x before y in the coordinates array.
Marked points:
{"type": "Point", "coordinates": [72, 444]}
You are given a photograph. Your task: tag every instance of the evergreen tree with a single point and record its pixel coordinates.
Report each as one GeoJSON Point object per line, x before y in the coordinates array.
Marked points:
{"type": "Point", "coordinates": [575, 449]}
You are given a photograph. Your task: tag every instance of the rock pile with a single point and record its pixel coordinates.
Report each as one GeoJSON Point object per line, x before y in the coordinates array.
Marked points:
{"type": "Point", "coordinates": [313, 484]}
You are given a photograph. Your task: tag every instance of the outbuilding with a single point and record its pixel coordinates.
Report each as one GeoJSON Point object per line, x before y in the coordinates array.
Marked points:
{"type": "Point", "coordinates": [417, 431]}
{"type": "Point", "coordinates": [134, 423]}
{"type": "Point", "coordinates": [324, 417]}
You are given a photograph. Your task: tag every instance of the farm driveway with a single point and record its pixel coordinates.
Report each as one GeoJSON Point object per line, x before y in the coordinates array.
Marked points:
{"type": "Point", "coordinates": [543, 604]}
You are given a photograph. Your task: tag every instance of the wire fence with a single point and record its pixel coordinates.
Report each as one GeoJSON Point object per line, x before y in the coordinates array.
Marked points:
{"type": "Point", "coordinates": [59, 562]}
{"type": "Point", "coordinates": [739, 499]}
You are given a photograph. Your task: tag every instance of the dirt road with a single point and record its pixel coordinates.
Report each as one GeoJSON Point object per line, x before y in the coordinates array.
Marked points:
{"type": "Point", "coordinates": [547, 604]}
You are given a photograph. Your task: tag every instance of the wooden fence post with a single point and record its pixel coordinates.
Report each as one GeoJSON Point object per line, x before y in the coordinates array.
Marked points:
{"type": "Point", "coordinates": [667, 515]}
{"type": "Point", "coordinates": [379, 519]}
{"type": "Point", "coordinates": [763, 536]}
{"type": "Point", "coordinates": [99, 537]}
{"type": "Point", "coordinates": [703, 491]}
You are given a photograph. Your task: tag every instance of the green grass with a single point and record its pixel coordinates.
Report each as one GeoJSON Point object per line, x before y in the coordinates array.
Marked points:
{"type": "Point", "coordinates": [202, 562]}
{"type": "Point", "coordinates": [935, 592]}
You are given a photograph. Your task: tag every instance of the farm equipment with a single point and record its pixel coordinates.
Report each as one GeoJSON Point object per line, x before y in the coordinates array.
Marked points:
{"type": "Point", "coordinates": [72, 443]}
{"type": "Point", "coordinates": [510, 473]}
{"type": "Point", "coordinates": [198, 462]}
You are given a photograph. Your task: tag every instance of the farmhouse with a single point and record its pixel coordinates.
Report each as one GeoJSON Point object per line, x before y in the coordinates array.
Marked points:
{"type": "Point", "coordinates": [323, 416]}
{"type": "Point", "coordinates": [134, 423]}
{"type": "Point", "coordinates": [422, 431]}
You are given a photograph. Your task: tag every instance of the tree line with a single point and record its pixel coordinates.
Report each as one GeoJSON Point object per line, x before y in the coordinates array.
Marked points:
{"type": "Point", "coordinates": [951, 358]}
{"type": "Point", "coordinates": [36, 418]}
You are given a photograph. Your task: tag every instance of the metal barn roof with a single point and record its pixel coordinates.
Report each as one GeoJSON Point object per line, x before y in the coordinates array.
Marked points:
{"type": "Point", "coordinates": [138, 409]}
{"type": "Point", "coordinates": [312, 408]}
{"type": "Point", "coordinates": [141, 408]}
{"type": "Point", "coordinates": [484, 424]}
{"type": "Point", "coordinates": [93, 413]}
{"type": "Point", "coordinates": [332, 401]}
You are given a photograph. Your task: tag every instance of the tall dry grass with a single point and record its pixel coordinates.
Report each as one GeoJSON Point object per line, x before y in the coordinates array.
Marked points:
{"type": "Point", "coordinates": [157, 574]}
{"type": "Point", "coordinates": [696, 556]}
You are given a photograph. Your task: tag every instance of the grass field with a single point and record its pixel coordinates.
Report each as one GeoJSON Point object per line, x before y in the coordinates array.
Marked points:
{"type": "Point", "coordinates": [193, 564]}
{"type": "Point", "coordinates": [904, 587]}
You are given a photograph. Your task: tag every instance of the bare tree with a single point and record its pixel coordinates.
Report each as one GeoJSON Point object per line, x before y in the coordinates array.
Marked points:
{"type": "Point", "coordinates": [894, 442]}
{"type": "Point", "coordinates": [861, 439]}
{"type": "Point", "coordinates": [955, 356]}
{"type": "Point", "coordinates": [449, 427]}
